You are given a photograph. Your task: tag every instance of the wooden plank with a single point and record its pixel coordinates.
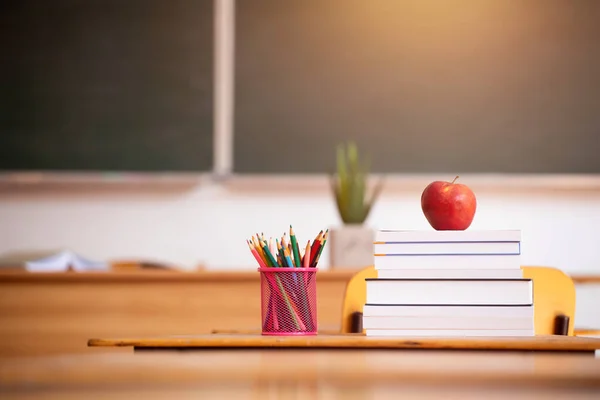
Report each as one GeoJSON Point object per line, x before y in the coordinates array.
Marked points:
{"type": "Point", "coordinates": [354, 341]}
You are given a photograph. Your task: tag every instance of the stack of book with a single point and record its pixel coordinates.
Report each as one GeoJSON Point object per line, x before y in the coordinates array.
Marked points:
{"type": "Point", "coordinates": [448, 283]}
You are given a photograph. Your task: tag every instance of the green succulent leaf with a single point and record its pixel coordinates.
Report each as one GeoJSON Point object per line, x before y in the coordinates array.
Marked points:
{"type": "Point", "coordinates": [374, 196]}
{"type": "Point", "coordinates": [350, 185]}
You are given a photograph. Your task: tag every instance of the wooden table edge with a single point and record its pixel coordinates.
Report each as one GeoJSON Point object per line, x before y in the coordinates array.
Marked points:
{"type": "Point", "coordinates": [159, 276]}
{"type": "Point", "coordinates": [354, 341]}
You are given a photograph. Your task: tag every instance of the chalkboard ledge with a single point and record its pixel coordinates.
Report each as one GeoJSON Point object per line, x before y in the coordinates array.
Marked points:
{"type": "Point", "coordinates": [310, 183]}
{"type": "Point", "coordinates": [101, 180]}
{"type": "Point", "coordinates": [287, 183]}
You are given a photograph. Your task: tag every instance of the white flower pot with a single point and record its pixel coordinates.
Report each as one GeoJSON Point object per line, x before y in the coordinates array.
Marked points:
{"type": "Point", "coordinates": [351, 247]}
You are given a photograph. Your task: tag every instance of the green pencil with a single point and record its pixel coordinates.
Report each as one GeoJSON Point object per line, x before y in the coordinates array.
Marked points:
{"type": "Point", "coordinates": [295, 249]}
{"type": "Point", "coordinates": [270, 257]}
{"type": "Point", "coordinates": [280, 253]}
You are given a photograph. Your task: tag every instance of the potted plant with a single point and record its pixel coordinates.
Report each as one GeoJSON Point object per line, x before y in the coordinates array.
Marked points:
{"type": "Point", "coordinates": [351, 245]}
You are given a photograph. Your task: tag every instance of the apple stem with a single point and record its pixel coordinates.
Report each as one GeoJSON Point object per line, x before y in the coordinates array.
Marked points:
{"type": "Point", "coordinates": [455, 179]}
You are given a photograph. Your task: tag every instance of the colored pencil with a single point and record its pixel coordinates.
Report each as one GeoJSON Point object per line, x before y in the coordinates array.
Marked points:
{"type": "Point", "coordinates": [275, 253]}
{"type": "Point", "coordinates": [256, 255]}
{"type": "Point", "coordinates": [288, 303]}
{"type": "Point", "coordinates": [314, 248]}
{"type": "Point", "coordinates": [322, 245]}
{"type": "Point", "coordinates": [280, 255]}
{"type": "Point", "coordinates": [288, 258]}
{"type": "Point", "coordinates": [271, 321]}
{"type": "Point", "coordinates": [269, 255]}
{"type": "Point", "coordinates": [286, 252]}
{"type": "Point", "coordinates": [260, 251]}
{"type": "Point", "coordinates": [259, 245]}
{"type": "Point", "coordinates": [272, 247]}
{"type": "Point", "coordinates": [295, 249]}
{"type": "Point", "coordinates": [306, 255]}
{"type": "Point", "coordinates": [283, 242]}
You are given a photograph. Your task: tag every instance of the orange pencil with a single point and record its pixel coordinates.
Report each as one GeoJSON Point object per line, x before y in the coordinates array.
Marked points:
{"type": "Point", "coordinates": [260, 244]}
{"type": "Point", "coordinates": [287, 246]}
{"type": "Point", "coordinates": [306, 259]}
{"type": "Point", "coordinates": [260, 251]}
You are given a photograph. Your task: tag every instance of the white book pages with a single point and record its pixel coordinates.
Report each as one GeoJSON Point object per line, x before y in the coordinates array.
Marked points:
{"type": "Point", "coordinates": [62, 261]}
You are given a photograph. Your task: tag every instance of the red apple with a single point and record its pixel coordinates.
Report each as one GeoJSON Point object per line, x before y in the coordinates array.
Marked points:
{"type": "Point", "coordinates": [448, 206]}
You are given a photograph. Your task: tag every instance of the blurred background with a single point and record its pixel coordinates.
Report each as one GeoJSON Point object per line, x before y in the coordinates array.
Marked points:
{"type": "Point", "coordinates": [172, 131]}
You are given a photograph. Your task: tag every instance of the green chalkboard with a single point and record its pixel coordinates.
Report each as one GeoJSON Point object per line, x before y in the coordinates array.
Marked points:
{"type": "Point", "coordinates": [424, 86]}
{"type": "Point", "coordinates": [106, 85]}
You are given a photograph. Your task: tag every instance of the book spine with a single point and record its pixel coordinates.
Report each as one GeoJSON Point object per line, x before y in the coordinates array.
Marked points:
{"type": "Point", "coordinates": [454, 261]}
{"type": "Point", "coordinates": [447, 248]}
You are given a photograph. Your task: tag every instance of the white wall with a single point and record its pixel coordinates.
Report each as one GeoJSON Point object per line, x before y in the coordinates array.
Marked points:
{"type": "Point", "coordinates": [208, 224]}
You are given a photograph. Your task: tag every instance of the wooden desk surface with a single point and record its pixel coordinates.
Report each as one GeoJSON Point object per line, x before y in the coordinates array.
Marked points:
{"type": "Point", "coordinates": [353, 341]}
{"type": "Point", "coordinates": [314, 374]}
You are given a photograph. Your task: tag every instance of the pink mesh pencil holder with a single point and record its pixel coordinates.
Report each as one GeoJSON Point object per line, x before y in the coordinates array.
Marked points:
{"type": "Point", "coordinates": [288, 301]}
